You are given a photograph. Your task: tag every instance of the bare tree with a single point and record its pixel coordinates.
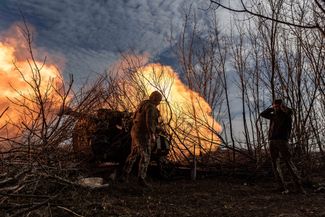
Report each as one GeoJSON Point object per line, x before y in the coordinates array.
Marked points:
{"type": "Point", "coordinates": [38, 128]}
{"type": "Point", "coordinates": [316, 10]}
{"type": "Point", "coordinates": [275, 60]}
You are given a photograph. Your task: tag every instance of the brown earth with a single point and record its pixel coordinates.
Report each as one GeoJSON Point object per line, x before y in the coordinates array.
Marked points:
{"type": "Point", "coordinates": [214, 196]}
{"type": "Point", "coordinates": [233, 193]}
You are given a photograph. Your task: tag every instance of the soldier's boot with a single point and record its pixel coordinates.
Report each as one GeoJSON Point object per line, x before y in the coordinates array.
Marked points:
{"type": "Point", "coordinates": [142, 182]}
{"type": "Point", "coordinates": [280, 188]}
{"type": "Point", "coordinates": [285, 191]}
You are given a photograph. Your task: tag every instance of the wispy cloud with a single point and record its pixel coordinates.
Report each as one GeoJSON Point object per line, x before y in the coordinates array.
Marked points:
{"type": "Point", "coordinates": [92, 33]}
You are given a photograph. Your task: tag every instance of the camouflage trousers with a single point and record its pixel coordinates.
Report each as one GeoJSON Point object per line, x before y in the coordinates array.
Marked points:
{"type": "Point", "coordinates": [140, 148]}
{"type": "Point", "coordinates": [279, 149]}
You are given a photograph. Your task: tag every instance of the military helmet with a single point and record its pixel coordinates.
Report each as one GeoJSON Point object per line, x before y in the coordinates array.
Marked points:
{"type": "Point", "coordinates": [155, 96]}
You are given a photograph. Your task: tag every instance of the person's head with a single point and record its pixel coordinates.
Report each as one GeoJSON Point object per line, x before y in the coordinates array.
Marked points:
{"type": "Point", "coordinates": [277, 104]}
{"type": "Point", "coordinates": [155, 97]}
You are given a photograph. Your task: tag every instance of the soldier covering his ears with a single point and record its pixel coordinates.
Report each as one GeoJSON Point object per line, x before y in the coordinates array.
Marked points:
{"type": "Point", "coordinates": [279, 134]}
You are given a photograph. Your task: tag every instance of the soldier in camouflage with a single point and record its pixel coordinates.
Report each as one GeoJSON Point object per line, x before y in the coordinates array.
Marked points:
{"type": "Point", "coordinates": [279, 133]}
{"type": "Point", "coordinates": [143, 135]}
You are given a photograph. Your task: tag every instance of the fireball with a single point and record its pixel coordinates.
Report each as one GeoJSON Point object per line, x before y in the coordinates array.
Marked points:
{"type": "Point", "coordinates": [188, 116]}
{"type": "Point", "coordinates": [24, 82]}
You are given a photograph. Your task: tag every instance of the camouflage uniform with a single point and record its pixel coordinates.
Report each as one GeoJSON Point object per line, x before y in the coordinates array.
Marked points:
{"type": "Point", "coordinates": [279, 133]}
{"type": "Point", "coordinates": [143, 131]}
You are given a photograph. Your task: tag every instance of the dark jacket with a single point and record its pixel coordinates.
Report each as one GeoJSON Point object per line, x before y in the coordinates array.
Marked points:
{"type": "Point", "coordinates": [280, 123]}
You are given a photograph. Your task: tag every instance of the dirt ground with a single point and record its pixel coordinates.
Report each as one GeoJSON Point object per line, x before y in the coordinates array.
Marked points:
{"type": "Point", "coordinates": [213, 196]}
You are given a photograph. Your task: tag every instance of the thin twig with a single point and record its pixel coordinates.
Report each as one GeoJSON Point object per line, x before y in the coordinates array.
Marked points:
{"type": "Point", "coordinates": [70, 211]}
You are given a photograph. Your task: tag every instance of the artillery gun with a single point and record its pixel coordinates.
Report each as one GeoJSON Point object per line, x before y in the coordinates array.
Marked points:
{"type": "Point", "coordinates": [105, 136]}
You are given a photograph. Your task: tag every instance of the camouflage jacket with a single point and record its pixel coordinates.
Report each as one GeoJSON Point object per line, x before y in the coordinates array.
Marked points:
{"type": "Point", "coordinates": [145, 119]}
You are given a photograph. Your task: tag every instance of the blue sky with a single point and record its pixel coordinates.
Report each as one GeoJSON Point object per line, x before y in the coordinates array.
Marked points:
{"type": "Point", "coordinates": [90, 34]}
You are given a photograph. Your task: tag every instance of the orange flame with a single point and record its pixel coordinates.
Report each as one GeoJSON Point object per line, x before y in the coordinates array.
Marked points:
{"type": "Point", "coordinates": [189, 113]}
{"type": "Point", "coordinates": [17, 73]}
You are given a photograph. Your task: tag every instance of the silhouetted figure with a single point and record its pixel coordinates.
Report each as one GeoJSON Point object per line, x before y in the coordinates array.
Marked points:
{"type": "Point", "coordinates": [280, 118]}
{"type": "Point", "coordinates": [143, 134]}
